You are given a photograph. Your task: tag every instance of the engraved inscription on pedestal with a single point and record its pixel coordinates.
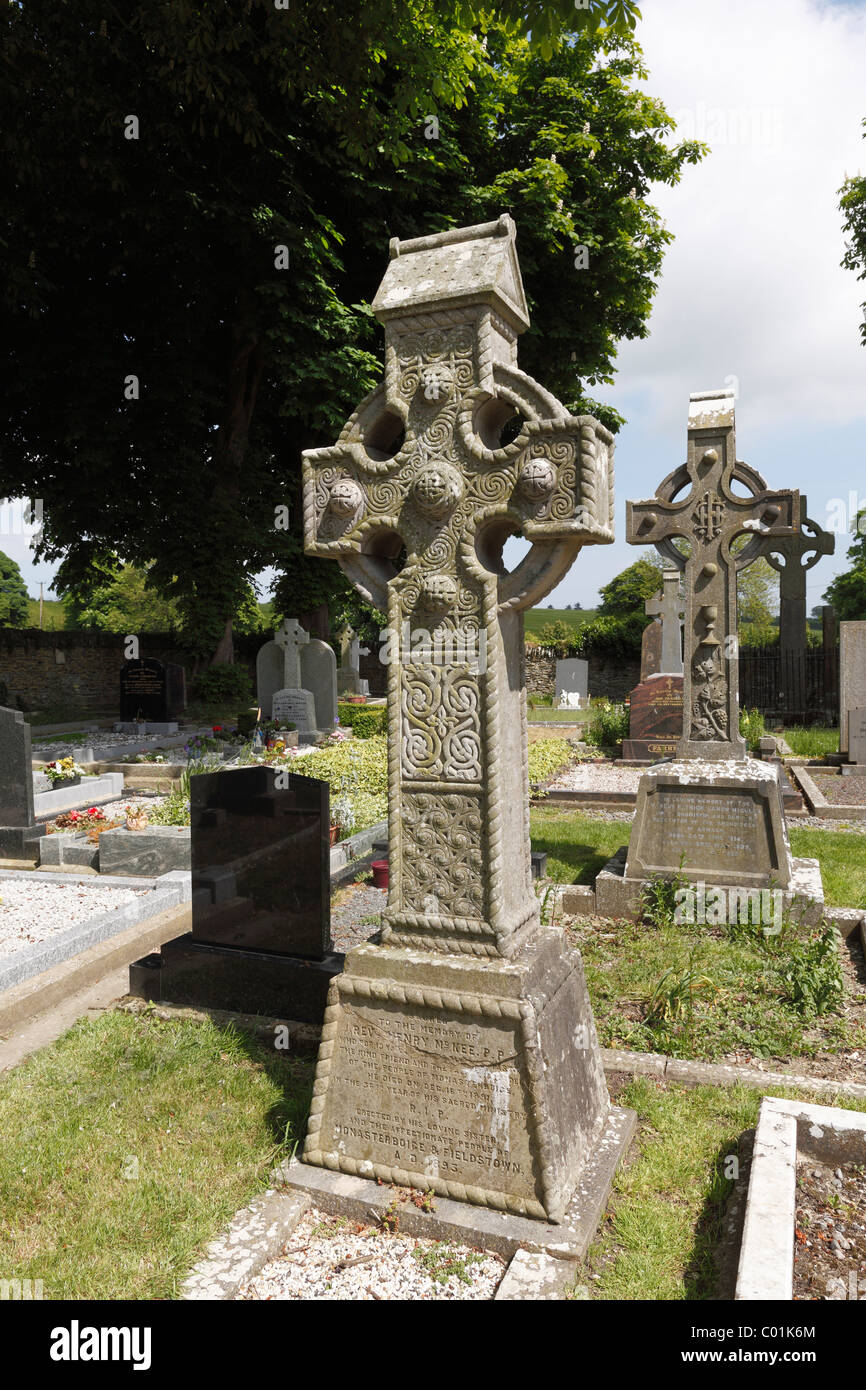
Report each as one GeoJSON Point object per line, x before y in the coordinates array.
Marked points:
{"type": "Point", "coordinates": [475, 1129]}
{"type": "Point", "coordinates": [294, 707]}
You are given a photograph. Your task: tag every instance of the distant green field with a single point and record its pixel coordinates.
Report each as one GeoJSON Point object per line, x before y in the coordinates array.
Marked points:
{"type": "Point", "coordinates": [53, 616]}
{"type": "Point", "coordinates": [537, 618]}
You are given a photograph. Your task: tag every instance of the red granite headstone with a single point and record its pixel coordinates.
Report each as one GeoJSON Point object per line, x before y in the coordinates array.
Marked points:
{"type": "Point", "coordinates": [655, 719]}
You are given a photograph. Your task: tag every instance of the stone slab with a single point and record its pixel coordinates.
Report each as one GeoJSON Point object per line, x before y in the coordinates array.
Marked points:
{"type": "Point", "coordinates": [256, 1235]}
{"type": "Point", "coordinates": [572, 682]}
{"type": "Point", "coordinates": [656, 709]}
{"type": "Point", "coordinates": [499, 1231]}
{"type": "Point", "coordinates": [535, 1275]}
{"type": "Point", "coordinates": [60, 983]}
{"type": "Point", "coordinates": [159, 849]}
{"type": "Point", "coordinates": [785, 1129]}
{"type": "Point", "coordinates": [295, 707]}
{"type": "Point", "coordinates": [618, 896]}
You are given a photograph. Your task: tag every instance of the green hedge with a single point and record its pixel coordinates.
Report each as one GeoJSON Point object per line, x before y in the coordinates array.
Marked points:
{"type": "Point", "coordinates": [224, 684]}
{"type": "Point", "coordinates": [365, 721]}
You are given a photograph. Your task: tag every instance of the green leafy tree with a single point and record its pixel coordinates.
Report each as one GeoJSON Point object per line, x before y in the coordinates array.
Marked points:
{"type": "Point", "coordinates": [198, 198]}
{"type": "Point", "coordinates": [627, 592]}
{"type": "Point", "coordinates": [847, 592]}
{"type": "Point", "coordinates": [14, 603]}
{"type": "Point", "coordinates": [853, 206]}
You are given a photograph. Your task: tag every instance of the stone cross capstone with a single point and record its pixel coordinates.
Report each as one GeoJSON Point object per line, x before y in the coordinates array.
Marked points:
{"type": "Point", "coordinates": [448, 1049]}
{"type": "Point", "coordinates": [710, 516]}
{"type": "Point", "coordinates": [668, 605]}
{"type": "Point", "coordinates": [291, 637]}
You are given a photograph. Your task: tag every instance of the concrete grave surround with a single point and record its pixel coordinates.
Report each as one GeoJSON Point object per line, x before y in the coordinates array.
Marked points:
{"type": "Point", "coordinates": [461, 1053]}
{"type": "Point", "coordinates": [852, 675]}
{"type": "Point", "coordinates": [714, 813]}
{"type": "Point", "coordinates": [572, 683]}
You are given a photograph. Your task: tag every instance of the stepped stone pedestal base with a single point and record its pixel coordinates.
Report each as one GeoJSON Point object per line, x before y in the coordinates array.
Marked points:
{"type": "Point", "coordinates": [479, 1079]}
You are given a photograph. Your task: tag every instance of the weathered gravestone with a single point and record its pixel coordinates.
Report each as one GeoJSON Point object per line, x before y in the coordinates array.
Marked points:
{"type": "Point", "coordinates": [19, 835]}
{"type": "Point", "coordinates": [461, 1053]}
{"type": "Point", "coordinates": [349, 675]}
{"type": "Point", "coordinates": [713, 812]}
{"type": "Point", "coordinates": [852, 676]}
{"type": "Point", "coordinates": [572, 683]}
{"type": "Point", "coordinates": [261, 933]}
{"type": "Point", "coordinates": [656, 704]}
{"type": "Point", "coordinates": [299, 673]}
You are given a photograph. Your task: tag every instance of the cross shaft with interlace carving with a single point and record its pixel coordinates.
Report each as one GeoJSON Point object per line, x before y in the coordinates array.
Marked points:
{"type": "Point", "coordinates": [421, 465]}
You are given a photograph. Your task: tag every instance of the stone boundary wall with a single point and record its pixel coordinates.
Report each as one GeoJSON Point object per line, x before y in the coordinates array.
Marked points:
{"type": "Point", "coordinates": [611, 676]}
{"type": "Point", "coordinates": [79, 671]}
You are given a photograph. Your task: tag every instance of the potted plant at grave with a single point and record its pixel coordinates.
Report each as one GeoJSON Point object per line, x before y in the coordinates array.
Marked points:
{"type": "Point", "coordinates": [64, 770]}
{"type": "Point", "coordinates": [342, 815]}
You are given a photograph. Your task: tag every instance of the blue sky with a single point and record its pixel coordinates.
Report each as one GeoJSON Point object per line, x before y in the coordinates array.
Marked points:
{"type": "Point", "coordinates": [752, 293]}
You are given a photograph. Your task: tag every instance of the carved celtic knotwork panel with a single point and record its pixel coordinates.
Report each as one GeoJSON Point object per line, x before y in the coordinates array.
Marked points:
{"type": "Point", "coordinates": [442, 870]}
{"type": "Point", "coordinates": [441, 723]}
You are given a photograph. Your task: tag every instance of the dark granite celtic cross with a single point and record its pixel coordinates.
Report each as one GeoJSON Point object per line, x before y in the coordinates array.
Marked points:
{"type": "Point", "coordinates": [710, 517]}
{"type": "Point", "coordinates": [422, 465]}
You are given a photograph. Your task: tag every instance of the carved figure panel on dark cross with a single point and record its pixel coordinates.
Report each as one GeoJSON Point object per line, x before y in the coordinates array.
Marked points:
{"type": "Point", "coordinates": [710, 516]}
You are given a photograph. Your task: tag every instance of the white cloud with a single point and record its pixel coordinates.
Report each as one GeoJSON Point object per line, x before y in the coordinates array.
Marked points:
{"type": "Point", "coordinates": [752, 287]}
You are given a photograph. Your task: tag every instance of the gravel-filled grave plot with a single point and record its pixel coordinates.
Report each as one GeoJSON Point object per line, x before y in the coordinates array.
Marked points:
{"type": "Point", "coordinates": [597, 777]}
{"type": "Point", "coordinates": [830, 1231]}
{"type": "Point", "coordinates": [841, 791]}
{"type": "Point", "coordinates": [356, 911]}
{"type": "Point", "coordinates": [334, 1258]}
{"type": "Point", "coordinates": [31, 910]}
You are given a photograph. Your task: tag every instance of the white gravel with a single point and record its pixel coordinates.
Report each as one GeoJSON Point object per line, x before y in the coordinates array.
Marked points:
{"type": "Point", "coordinates": [597, 777]}
{"type": "Point", "coordinates": [32, 910]}
{"type": "Point", "coordinates": [333, 1258]}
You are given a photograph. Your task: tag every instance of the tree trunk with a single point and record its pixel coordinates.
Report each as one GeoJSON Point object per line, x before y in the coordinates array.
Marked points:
{"type": "Point", "coordinates": [225, 649]}
{"type": "Point", "coordinates": [317, 622]}
{"type": "Point", "coordinates": [244, 376]}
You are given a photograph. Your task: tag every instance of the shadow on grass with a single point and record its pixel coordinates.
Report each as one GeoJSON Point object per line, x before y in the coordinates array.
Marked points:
{"type": "Point", "coordinates": [585, 860]}
{"type": "Point", "coordinates": [711, 1271]}
{"type": "Point", "coordinates": [292, 1074]}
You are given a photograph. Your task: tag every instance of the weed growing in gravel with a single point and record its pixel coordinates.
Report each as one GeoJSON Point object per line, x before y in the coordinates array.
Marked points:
{"type": "Point", "coordinates": [440, 1262]}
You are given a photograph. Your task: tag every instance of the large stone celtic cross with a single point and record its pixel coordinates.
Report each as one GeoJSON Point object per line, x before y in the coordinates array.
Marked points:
{"type": "Point", "coordinates": [710, 516]}
{"type": "Point", "coordinates": [422, 465]}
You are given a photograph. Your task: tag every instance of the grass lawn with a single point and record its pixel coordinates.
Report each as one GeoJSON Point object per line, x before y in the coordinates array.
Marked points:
{"type": "Point", "coordinates": [578, 846]}
{"type": "Point", "coordinates": [127, 1145]}
{"type": "Point", "coordinates": [740, 1004]}
{"type": "Point", "coordinates": [537, 618]}
{"type": "Point", "coordinates": [813, 742]}
{"type": "Point", "coordinates": [665, 1218]}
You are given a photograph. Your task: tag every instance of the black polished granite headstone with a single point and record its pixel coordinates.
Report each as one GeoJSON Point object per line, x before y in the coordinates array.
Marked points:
{"type": "Point", "coordinates": [175, 690]}
{"type": "Point", "coordinates": [144, 691]}
{"type": "Point", "coordinates": [261, 921]}
{"type": "Point", "coordinates": [19, 834]}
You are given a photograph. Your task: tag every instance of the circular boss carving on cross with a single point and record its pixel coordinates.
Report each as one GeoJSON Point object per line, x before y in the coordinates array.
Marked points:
{"type": "Point", "coordinates": [437, 490]}
{"type": "Point", "coordinates": [345, 498]}
{"type": "Point", "coordinates": [537, 479]}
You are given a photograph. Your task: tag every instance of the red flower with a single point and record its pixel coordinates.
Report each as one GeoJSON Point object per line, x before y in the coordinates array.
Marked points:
{"type": "Point", "coordinates": [217, 728]}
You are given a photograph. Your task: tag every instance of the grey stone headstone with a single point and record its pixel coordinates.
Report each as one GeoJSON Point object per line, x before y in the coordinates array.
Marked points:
{"type": "Point", "coordinates": [319, 676]}
{"type": "Point", "coordinates": [857, 735]}
{"type": "Point", "coordinates": [270, 676]}
{"type": "Point", "coordinates": [572, 682]}
{"type": "Point", "coordinates": [294, 707]}
{"type": "Point", "coordinates": [852, 674]}
{"type": "Point", "coordinates": [19, 836]}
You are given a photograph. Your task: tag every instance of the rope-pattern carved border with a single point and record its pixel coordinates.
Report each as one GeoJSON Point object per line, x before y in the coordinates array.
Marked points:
{"type": "Point", "coordinates": [422, 996]}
